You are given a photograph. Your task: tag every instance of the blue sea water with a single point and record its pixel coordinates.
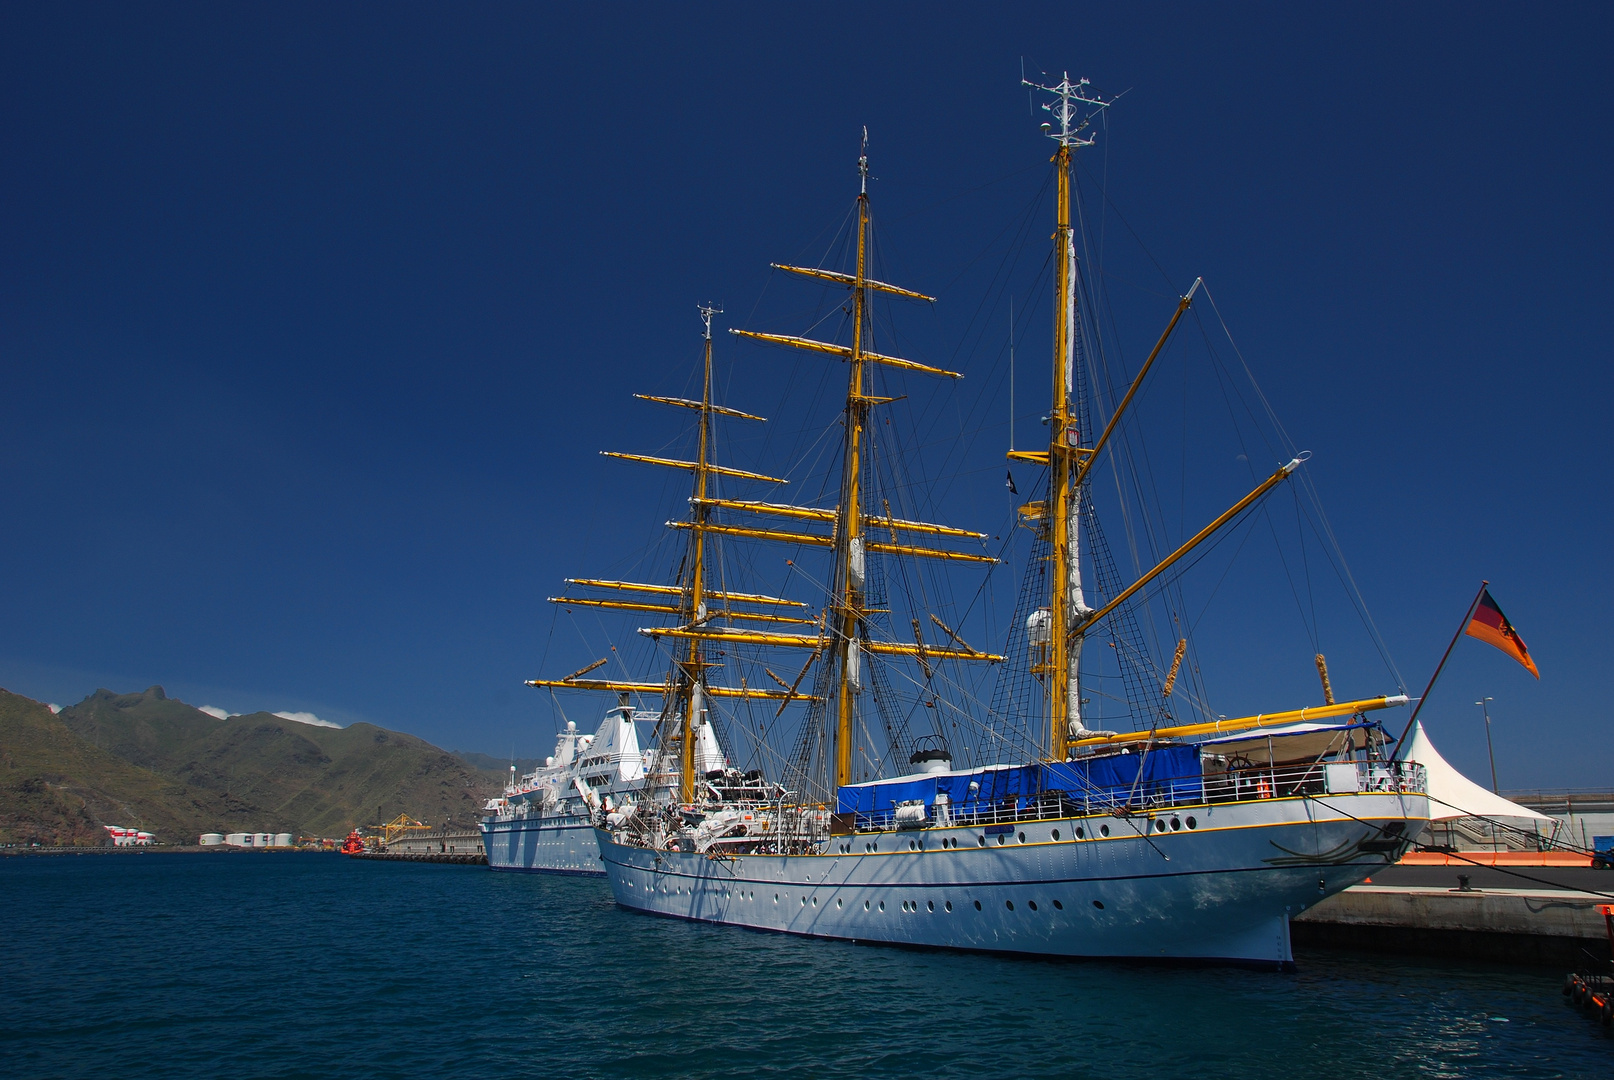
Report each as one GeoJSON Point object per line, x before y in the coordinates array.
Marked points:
{"type": "Point", "coordinates": [298, 965]}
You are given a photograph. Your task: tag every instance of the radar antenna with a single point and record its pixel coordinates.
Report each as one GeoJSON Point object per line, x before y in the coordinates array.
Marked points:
{"type": "Point", "coordinates": [707, 310]}
{"type": "Point", "coordinates": [1068, 109]}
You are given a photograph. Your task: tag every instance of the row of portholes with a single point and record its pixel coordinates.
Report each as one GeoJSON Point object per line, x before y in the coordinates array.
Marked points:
{"type": "Point", "coordinates": [1003, 839]}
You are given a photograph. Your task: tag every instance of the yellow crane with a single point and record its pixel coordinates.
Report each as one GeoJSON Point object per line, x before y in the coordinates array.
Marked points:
{"type": "Point", "coordinates": [396, 827]}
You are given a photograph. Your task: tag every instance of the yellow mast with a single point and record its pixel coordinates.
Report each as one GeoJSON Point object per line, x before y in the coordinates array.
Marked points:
{"type": "Point", "coordinates": [692, 675]}
{"type": "Point", "coordinates": [849, 524]}
{"type": "Point", "coordinates": [1065, 452]}
{"type": "Point", "coordinates": [1062, 435]}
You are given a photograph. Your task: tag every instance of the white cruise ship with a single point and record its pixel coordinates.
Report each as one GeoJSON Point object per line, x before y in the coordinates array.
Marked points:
{"type": "Point", "coordinates": [542, 822]}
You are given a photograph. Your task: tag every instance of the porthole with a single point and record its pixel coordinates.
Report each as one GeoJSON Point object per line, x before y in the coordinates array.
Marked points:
{"type": "Point", "coordinates": [930, 905]}
{"type": "Point", "coordinates": [977, 905]}
{"type": "Point", "coordinates": [1009, 904]}
{"type": "Point", "coordinates": [1099, 904]}
{"type": "Point", "coordinates": [1055, 835]}
{"type": "Point", "coordinates": [1192, 824]}
{"type": "Point", "coordinates": [949, 905]}
{"type": "Point", "coordinates": [981, 840]}
{"type": "Point", "coordinates": [874, 847]}
{"type": "Point", "coordinates": [804, 901]}
{"type": "Point", "coordinates": [912, 846]}
{"type": "Point", "coordinates": [837, 901]}
{"type": "Point", "coordinates": [1159, 826]}
{"type": "Point", "coordinates": [882, 905]}
{"type": "Point", "coordinates": [1032, 904]}
{"type": "Point", "coordinates": [776, 898]}
{"type": "Point", "coordinates": [1176, 824]}
{"type": "Point", "coordinates": [1002, 840]}
{"type": "Point", "coordinates": [1022, 838]}
{"type": "Point", "coordinates": [1081, 834]}
{"type": "Point", "coordinates": [815, 901]}
{"type": "Point", "coordinates": [865, 905]}
{"type": "Point", "coordinates": [1058, 906]}
{"type": "Point", "coordinates": [1104, 830]}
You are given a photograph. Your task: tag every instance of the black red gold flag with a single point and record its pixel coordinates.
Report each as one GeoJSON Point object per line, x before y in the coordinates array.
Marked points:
{"type": "Point", "coordinates": [1492, 627]}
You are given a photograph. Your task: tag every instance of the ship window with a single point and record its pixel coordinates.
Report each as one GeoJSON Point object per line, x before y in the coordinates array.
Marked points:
{"type": "Point", "coordinates": [1176, 823]}
{"type": "Point", "coordinates": [912, 846]}
{"type": "Point", "coordinates": [930, 905]}
{"type": "Point", "coordinates": [882, 905]}
{"type": "Point", "coordinates": [776, 898]}
{"type": "Point", "coordinates": [865, 905]}
{"type": "Point", "coordinates": [1058, 906]}
{"type": "Point", "coordinates": [837, 901]}
{"type": "Point", "coordinates": [1056, 835]}
{"type": "Point", "coordinates": [1002, 840]}
{"type": "Point", "coordinates": [981, 840]}
{"type": "Point", "coordinates": [804, 901]}
{"type": "Point", "coordinates": [815, 901]}
{"type": "Point", "coordinates": [977, 905]}
{"type": "Point", "coordinates": [1104, 830]}
{"type": "Point", "coordinates": [1009, 904]}
{"type": "Point", "coordinates": [1192, 824]}
{"type": "Point", "coordinates": [949, 905]}
{"type": "Point", "coordinates": [1022, 838]}
{"type": "Point", "coordinates": [1032, 905]}
{"type": "Point", "coordinates": [1159, 826]}
{"type": "Point", "coordinates": [1099, 904]}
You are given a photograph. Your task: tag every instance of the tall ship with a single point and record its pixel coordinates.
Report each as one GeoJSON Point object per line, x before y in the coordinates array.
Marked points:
{"type": "Point", "coordinates": [897, 804]}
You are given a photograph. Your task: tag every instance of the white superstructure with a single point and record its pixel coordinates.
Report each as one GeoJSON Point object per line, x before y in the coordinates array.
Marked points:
{"type": "Point", "coordinates": [542, 821]}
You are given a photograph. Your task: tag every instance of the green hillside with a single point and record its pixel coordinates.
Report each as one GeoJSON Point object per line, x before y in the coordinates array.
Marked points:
{"type": "Point", "coordinates": [149, 761]}
{"type": "Point", "coordinates": [56, 788]}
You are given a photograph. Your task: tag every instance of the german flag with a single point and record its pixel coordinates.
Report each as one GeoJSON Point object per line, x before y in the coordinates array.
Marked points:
{"type": "Point", "coordinates": [1492, 627]}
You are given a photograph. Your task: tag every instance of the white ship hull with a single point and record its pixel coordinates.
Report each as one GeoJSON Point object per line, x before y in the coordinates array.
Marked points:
{"type": "Point", "coordinates": [554, 844]}
{"type": "Point", "coordinates": [1223, 890]}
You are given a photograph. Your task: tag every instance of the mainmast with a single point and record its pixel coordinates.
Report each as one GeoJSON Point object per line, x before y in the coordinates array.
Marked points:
{"type": "Point", "coordinates": [850, 556]}
{"type": "Point", "coordinates": [845, 641]}
{"type": "Point", "coordinates": [1073, 107]}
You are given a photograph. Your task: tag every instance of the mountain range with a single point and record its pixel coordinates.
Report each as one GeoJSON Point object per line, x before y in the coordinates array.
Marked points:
{"type": "Point", "coordinates": [151, 762]}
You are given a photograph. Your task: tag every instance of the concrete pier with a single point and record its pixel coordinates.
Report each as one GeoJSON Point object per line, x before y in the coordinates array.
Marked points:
{"type": "Point", "coordinates": [1410, 908]}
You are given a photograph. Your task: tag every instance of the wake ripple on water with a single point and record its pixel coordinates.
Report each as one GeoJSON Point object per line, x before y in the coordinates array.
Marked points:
{"type": "Point", "coordinates": [265, 965]}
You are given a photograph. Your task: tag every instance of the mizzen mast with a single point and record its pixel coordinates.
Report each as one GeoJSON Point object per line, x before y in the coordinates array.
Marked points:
{"type": "Point", "coordinates": [1073, 107]}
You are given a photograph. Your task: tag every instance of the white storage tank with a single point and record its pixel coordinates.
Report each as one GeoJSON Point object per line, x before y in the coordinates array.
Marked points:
{"type": "Point", "coordinates": [238, 839]}
{"type": "Point", "coordinates": [210, 839]}
{"type": "Point", "coordinates": [285, 839]}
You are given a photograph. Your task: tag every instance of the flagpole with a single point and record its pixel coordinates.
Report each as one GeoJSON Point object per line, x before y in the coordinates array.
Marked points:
{"type": "Point", "coordinates": [1419, 707]}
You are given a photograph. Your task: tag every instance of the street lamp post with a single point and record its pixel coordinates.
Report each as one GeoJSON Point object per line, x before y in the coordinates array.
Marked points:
{"type": "Point", "coordinates": [1484, 704]}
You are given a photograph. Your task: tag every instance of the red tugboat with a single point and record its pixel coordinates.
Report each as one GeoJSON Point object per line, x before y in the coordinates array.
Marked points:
{"type": "Point", "coordinates": [354, 844]}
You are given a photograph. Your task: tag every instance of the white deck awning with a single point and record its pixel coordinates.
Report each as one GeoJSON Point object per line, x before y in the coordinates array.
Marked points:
{"type": "Point", "coordinates": [1453, 795]}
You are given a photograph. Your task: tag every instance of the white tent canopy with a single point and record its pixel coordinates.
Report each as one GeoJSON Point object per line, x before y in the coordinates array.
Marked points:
{"type": "Point", "coordinates": [1453, 795]}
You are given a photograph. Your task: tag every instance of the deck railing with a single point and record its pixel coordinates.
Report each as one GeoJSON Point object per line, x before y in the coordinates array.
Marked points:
{"type": "Point", "coordinates": [1233, 784]}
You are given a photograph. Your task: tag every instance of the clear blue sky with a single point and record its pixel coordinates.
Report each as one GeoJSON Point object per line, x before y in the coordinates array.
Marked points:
{"type": "Point", "coordinates": [313, 318]}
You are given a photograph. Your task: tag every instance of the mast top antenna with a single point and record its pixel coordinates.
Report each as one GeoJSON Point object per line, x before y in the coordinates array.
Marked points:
{"type": "Point", "coordinates": [1074, 107]}
{"type": "Point", "coordinates": [863, 162]}
{"type": "Point", "coordinates": [707, 310]}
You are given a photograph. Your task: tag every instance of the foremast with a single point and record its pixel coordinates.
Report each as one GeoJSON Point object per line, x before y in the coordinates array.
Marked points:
{"type": "Point", "coordinates": [691, 673]}
{"type": "Point", "coordinates": [686, 688]}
